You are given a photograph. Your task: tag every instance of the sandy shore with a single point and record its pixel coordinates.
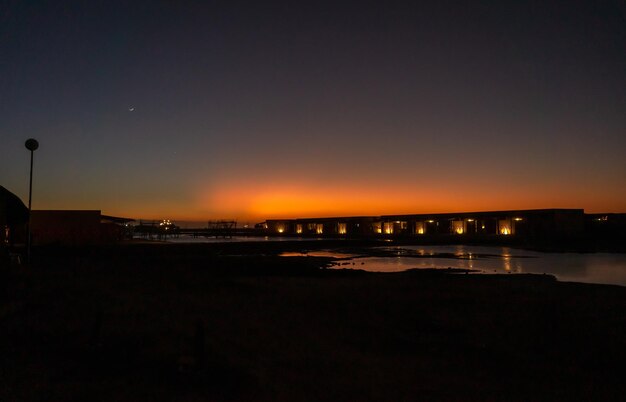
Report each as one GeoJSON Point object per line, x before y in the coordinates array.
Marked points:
{"type": "Point", "coordinates": [236, 322]}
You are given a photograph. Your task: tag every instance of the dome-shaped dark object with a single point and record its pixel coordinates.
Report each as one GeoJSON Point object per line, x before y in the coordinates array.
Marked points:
{"type": "Point", "coordinates": [31, 144]}
{"type": "Point", "coordinates": [12, 209]}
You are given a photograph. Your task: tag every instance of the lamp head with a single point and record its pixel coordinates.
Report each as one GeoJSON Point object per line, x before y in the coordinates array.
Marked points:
{"type": "Point", "coordinates": [31, 144]}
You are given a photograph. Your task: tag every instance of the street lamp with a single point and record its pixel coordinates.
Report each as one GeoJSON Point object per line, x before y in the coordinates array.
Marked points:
{"type": "Point", "coordinates": [31, 144]}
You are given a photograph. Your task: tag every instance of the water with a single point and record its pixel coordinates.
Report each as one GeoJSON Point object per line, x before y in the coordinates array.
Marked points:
{"type": "Point", "coordinates": [234, 239]}
{"type": "Point", "coordinates": [607, 268]}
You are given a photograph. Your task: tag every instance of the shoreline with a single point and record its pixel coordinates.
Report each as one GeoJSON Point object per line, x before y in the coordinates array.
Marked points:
{"type": "Point", "coordinates": [154, 322]}
{"type": "Point", "coordinates": [369, 256]}
{"type": "Point", "coordinates": [162, 323]}
{"type": "Point", "coordinates": [578, 245]}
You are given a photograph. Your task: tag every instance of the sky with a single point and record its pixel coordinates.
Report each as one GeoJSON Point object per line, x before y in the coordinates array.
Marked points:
{"type": "Point", "coordinates": [251, 110]}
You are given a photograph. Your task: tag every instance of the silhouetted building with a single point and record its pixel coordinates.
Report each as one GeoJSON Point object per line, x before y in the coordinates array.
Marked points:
{"type": "Point", "coordinates": [522, 223]}
{"type": "Point", "coordinates": [76, 227]}
{"type": "Point", "coordinates": [13, 218]}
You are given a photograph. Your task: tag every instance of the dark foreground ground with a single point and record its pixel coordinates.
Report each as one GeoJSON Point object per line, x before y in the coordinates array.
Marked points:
{"type": "Point", "coordinates": [195, 323]}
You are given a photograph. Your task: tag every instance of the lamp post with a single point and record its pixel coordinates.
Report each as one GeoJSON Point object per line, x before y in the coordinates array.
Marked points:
{"type": "Point", "coordinates": [31, 144]}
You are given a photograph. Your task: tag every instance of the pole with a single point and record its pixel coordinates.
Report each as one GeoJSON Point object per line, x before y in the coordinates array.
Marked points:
{"type": "Point", "coordinates": [30, 200]}
{"type": "Point", "coordinates": [31, 144]}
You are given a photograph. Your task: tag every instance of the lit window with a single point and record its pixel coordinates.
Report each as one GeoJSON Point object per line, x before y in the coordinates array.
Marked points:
{"type": "Point", "coordinates": [342, 228]}
{"type": "Point", "coordinates": [419, 228]}
{"type": "Point", "coordinates": [388, 227]}
{"type": "Point", "coordinates": [377, 226]}
{"type": "Point", "coordinates": [505, 227]}
{"type": "Point", "coordinates": [457, 227]}
{"type": "Point", "coordinates": [319, 228]}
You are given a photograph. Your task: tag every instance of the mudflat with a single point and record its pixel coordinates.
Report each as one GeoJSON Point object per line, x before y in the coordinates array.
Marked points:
{"type": "Point", "coordinates": [153, 322]}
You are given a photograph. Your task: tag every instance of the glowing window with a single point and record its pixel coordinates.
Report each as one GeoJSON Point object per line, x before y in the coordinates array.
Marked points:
{"type": "Point", "coordinates": [377, 226]}
{"type": "Point", "coordinates": [342, 228]}
{"type": "Point", "coordinates": [457, 227]}
{"type": "Point", "coordinates": [388, 227]}
{"type": "Point", "coordinates": [319, 228]}
{"type": "Point", "coordinates": [505, 227]}
{"type": "Point", "coordinates": [420, 228]}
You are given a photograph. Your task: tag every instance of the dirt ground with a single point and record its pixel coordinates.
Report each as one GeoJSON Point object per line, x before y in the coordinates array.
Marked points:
{"type": "Point", "coordinates": [237, 323]}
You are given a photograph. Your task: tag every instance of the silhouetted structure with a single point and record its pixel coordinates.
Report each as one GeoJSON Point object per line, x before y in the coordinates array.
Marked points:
{"type": "Point", "coordinates": [77, 227]}
{"type": "Point", "coordinates": [151, 229]}
{"type": "Point", "coordinates": [522, 224]}
{"type": "Point", "coordinates": [222, 227]}
{"type": "Point", "coordinates": [13, 218]}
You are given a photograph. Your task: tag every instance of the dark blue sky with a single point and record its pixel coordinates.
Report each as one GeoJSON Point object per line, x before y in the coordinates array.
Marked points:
{"type": "Point", "coordinates": [273, 109]}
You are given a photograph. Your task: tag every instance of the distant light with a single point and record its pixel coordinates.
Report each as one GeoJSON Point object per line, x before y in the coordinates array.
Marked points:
{"type": "Point", "coordinates": [470, 220]}
{"type": "Point", "coordinates": [517, 219]}
{"type": "Point", "coordinates": [431, 221]}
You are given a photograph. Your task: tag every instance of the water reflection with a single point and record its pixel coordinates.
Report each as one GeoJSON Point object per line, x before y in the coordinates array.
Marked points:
{"type": "Point", "coordinates": [592, 268]}
{"type": "Point", "coordinates": [318, 253]}
{"type": "Point", "coordinates": [233, 239]}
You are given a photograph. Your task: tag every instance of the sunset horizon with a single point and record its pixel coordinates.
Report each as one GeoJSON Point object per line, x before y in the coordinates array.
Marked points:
{"type": "Point", "coordinates": [209, 111]}
{"type": "Point", "coordinates": [286, 201]}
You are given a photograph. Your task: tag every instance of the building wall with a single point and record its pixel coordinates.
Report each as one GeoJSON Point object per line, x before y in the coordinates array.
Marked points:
{"type": "Point", "coordinates": [65, 227]}
{"type": "Point", "coordinates": [523, 224]}
{"type": "Point", "coordinates": [72, 227]}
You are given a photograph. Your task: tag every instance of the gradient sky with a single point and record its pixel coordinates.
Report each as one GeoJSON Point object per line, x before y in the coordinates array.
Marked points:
{"type": "Point", "coordinates": [254, 110]}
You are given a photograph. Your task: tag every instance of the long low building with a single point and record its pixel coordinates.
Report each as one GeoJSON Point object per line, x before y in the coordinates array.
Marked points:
{"type": "Point", "coordinates": [76, 227]}
{"type": "Point", "coordinates": [520, 223]}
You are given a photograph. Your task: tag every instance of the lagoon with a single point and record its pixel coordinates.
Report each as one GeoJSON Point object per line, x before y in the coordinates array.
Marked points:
{"type": "Point", "coordinates": [605, 268]}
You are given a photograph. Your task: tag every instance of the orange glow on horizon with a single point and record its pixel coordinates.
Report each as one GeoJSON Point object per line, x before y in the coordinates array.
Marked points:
{"type": "Point", "coordinates": [260, 201]}
{"type": "Point", "coordinates": [301, 201]}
